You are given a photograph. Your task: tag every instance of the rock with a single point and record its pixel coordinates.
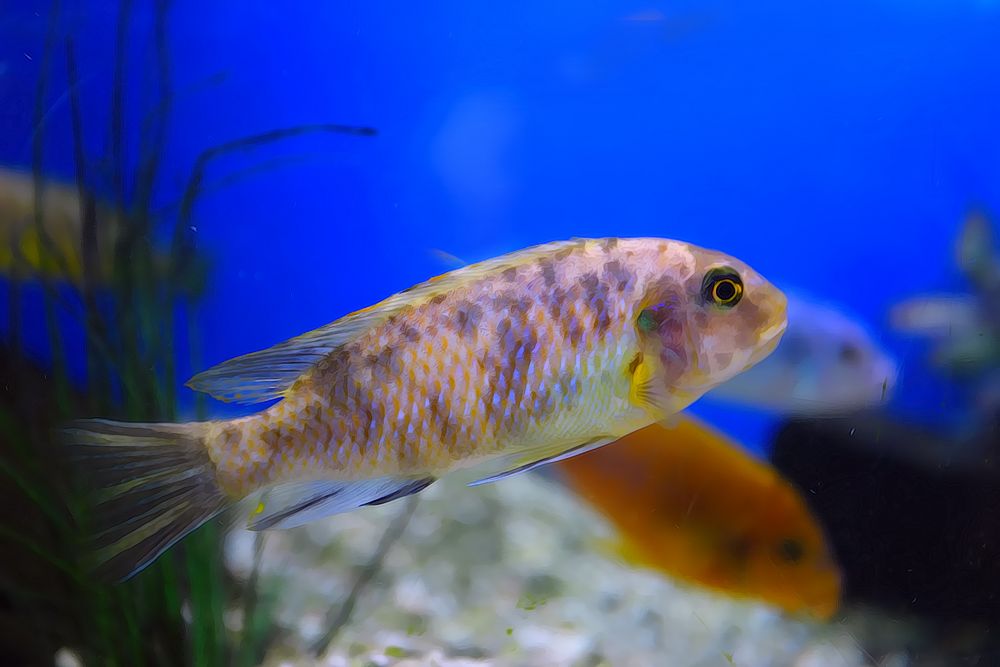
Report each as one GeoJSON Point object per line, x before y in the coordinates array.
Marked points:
{"type": "Point", "coordinates": [912, 519]}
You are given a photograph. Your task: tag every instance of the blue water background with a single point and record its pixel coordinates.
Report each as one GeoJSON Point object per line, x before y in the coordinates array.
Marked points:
{"type": "Point", "coordinates": [833, 146]}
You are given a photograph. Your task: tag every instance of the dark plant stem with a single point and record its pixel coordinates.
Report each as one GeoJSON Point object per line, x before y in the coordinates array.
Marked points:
{"type": "Point", "coordinates": [337, 620]}
{"type": "Point", "coordinates": [249, 644]}
{"type": "Point", "coordinates": [48, 257]}
{"type": "Point", "coordinates": [181, 244]}
{"type": "Point", "coordinates": [96, 373]}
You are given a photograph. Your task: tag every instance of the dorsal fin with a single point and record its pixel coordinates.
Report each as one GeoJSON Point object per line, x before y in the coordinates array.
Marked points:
{"type": "Point", "coordinates": [267, 374]}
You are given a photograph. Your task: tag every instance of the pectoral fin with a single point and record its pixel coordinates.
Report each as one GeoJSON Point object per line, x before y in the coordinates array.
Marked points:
{"type": "Point", "coordinates": [647, 389]}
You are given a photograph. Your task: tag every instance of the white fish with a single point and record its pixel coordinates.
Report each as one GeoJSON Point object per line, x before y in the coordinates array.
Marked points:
{"type": "Point", "coordinates": [826, 363]}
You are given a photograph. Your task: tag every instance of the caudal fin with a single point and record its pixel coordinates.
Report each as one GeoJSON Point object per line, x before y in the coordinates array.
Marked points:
{"type": "Point", "coordinates": [155, 484]}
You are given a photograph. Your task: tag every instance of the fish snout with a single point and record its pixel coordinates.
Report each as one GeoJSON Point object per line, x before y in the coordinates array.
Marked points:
{"type": "Point", "coordinates": [775, 304]}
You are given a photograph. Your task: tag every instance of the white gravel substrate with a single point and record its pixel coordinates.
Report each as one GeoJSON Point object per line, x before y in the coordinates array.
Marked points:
{"type": "Point", "coordinates": [508, 574]}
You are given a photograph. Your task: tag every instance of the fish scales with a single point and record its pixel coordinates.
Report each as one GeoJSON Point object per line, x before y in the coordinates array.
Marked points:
{"type": "Point", "coordinates": [506, 365]}
{"type": "Point", "coordinates": [517, 355]}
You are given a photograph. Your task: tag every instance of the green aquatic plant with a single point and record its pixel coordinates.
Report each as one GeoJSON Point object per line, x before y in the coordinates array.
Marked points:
{"type": "Point", "coordinates": [173, 613]}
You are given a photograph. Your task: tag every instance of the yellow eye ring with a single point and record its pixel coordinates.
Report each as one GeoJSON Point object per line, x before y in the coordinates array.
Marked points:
{"type": "Point", "coordinates": [723, 288]}
{"type": "Point", "coordinates": [726, 291]}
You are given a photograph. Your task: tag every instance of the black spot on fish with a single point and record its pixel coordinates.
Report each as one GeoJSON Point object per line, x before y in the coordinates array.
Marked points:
{"type": "Point", "coordinates": [467, 318]}
{"type": "Point", "coordinates": [790, 550]}
{"type": "Point", "coordinates": [548, 272]}
{"type": "Point", "coordinates": [574, 331]}
{"type": "Point", "coordinates": [596, 295]}
{"type": "Point", "coordinates": [556, 302]}
{"type": "Point", "coordinates": [617, 276]}
{"type": "Point", "coordinates": [503, 326]}
{"type": "Point", "coordinates": [382, 360]}
{"type": "Point", "coordinates": [410, 333]}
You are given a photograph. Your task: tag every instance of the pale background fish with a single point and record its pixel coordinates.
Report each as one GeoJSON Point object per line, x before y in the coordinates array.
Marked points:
{"type": "Point", "coordinates": [827, 362]}
{"type": "Point", "coordinates": [57, 252]}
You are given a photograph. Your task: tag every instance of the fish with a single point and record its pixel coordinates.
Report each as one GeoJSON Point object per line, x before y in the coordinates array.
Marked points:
{"type": "Point", "coordinates": [938, 316]}
{"type": "Point", "coordinates": [23, 250]}
{"type": "Point", "coordinates": [964, 329]}
{"type": "Point", "coordinates": [827, 363]}
{"type": "Point", "coordinates": [692, 504]}
{"type": "Point", "coordinates": [977, 254]}
{"type": "Point", "coordinates": [496, 368]}
{"type": "Point", "coordinates": [56, 253]}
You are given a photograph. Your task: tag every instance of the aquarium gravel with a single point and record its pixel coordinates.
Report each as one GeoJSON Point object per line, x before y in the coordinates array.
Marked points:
{"type": "Point", "coordinates": [512, 574]}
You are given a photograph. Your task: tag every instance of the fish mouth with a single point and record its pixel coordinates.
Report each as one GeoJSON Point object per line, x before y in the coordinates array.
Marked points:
{"type": "Point", "coordinates": [771, 336]}
{"type": "Point", "coordinates": [769, 339]}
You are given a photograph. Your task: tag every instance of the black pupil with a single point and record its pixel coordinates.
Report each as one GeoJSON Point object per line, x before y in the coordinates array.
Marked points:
{"type": "Point", "coordinates": [725, 290]}
{"type": "Point", "coordinates": [790, 550]}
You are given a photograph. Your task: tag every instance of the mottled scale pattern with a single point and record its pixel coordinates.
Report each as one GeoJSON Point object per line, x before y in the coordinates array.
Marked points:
{"type": "Point", "coordinates": [531, 350]}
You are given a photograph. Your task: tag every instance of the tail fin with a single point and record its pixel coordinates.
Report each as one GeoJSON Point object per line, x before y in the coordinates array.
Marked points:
{"type": "Point", "coordinates": [156, 484]}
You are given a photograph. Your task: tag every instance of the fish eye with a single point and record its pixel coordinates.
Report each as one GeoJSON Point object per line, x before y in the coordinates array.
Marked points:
{"type": "Point", "coordinates": [723, 287]}
{"type": "Point", "coordinates": [790, 550]}
{"type": "Point", "coordinates": [850, 354]}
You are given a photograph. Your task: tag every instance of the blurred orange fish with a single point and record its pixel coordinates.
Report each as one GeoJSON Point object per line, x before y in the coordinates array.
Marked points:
{"type": "Point", "coordinates": [690, 503]}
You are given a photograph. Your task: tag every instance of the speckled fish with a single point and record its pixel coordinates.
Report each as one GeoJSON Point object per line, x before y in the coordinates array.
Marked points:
{"type": "Point", "coordinates": [690, 503]}
{"type": "Point", "coordinates": [502, 365]}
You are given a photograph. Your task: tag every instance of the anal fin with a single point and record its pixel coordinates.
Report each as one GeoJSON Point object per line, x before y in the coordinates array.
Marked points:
{"type": "Point", "coordinates": [296, 503]}
{"type": "Point", "coordinates": [413, 487]}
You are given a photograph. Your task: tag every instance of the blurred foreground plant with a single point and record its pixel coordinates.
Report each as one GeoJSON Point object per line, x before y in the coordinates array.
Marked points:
{"type": "Point", "coordinates": [106, 277]}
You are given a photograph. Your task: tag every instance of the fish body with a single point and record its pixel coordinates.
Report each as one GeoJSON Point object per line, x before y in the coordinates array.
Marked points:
{"type": "Point", "coordinates": [23, 250]}
{"type": "Point", "coordinates": [53, 250]}
{"type": "Point", "coordinates": [827, 363]}
{"type": "Point", "coordinates": [688, 502]}
{"type": "Point", "coordinates": [977, 254]}
{"type": "Point", "coordinates": [964, 329]}
{"type": "Point", "coordinates": [498, 366]}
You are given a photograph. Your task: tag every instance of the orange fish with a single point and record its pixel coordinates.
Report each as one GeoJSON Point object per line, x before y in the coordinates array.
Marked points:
{"type": "Point", "coordinates": [690, 503]}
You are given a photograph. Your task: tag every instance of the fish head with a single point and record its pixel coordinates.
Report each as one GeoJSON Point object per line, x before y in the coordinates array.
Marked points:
{"type": "Point", "coordinates": [828, 361]}
{"type": "Point", "coordinates": [788, 561]}
{"type": "Point", "coordinates": [706, 317]}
